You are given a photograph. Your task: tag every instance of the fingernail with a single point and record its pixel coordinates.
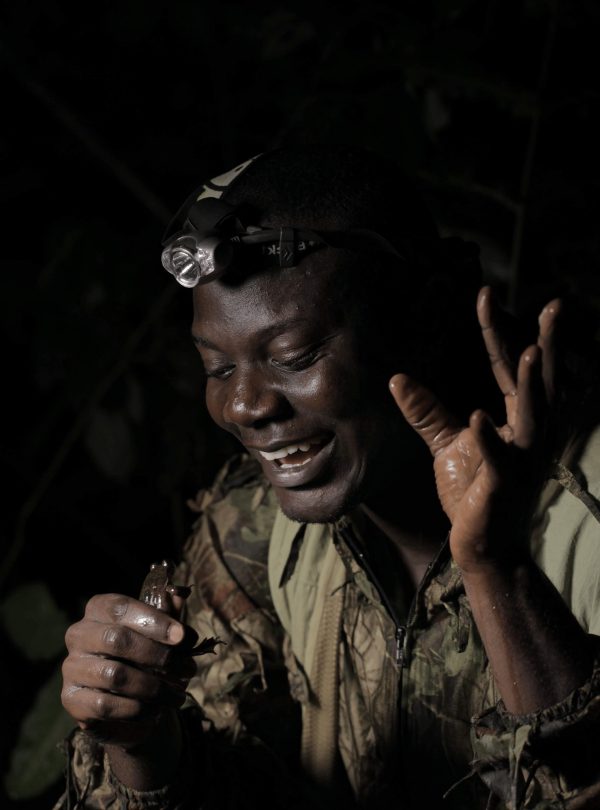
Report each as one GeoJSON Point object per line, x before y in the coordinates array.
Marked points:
{"type": "Point", "coordinates": [175, 633]}
{"type": "Point", "coordinates": [402, 379]}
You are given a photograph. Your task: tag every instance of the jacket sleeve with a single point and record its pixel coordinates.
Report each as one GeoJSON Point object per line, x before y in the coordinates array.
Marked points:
{"type": "Point", "coordinates": [551, 758]}
{"type": "Point", "coordinates": [239, 718]}
{"type": "Point", "coordinates": [547, 759]}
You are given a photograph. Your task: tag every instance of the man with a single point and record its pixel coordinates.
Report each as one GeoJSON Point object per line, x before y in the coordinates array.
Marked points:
{"type": "Point", "coordinates": [431, 660]}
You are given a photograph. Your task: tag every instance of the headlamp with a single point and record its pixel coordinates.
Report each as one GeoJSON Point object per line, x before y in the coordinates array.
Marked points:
{"type": "Point", "coordinates": [207, 235]}
{"type": "Point", "coordinates": [213, 237]}
{"type": "Point", "coordinates": [192, 260]}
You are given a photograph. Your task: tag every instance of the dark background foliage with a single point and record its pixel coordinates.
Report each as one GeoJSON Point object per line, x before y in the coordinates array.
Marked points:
{"type": "Point", "coordinates": [111, 115]}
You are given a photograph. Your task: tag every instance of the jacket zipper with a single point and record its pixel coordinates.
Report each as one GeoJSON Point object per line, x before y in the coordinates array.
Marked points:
{"type": "Point", "coordinates": [400, 636]}
{"type": "Point", "coordinates": [400, 629]}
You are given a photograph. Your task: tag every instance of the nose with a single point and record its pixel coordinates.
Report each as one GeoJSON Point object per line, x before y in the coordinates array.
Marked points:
{"type": "Point", "coordinates": [252, 400]}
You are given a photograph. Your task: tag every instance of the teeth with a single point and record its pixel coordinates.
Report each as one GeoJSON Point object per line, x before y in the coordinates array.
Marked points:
{"type": "Point", "coordinates": [286, 451]}
{"type": "Point", "coordinates": [281, 453]}
{"type": "Point", "coordinates": [297, 464]}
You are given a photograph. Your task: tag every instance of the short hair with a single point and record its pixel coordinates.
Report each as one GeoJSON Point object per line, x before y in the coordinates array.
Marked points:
{"type": "Point", "coordinates": [333, 188]}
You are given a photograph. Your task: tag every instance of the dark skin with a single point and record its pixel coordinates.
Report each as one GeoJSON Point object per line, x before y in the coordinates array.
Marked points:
{"type": "Point", "coordinates": [282, 371]}
{"type": "Point", "coordinates": [287, 368]}
{"type": "Point", "coordinates": [123, 681]}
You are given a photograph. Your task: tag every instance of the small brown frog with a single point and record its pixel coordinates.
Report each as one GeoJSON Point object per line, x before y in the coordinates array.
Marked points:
{"type": "Point", "coordinates": [157, 590]}
{"type": "Point", "coordinates": [158, 587]}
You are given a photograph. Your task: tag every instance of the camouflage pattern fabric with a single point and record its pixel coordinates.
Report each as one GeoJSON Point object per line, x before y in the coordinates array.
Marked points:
{"type": "Point", "coordinates": [429, 731]}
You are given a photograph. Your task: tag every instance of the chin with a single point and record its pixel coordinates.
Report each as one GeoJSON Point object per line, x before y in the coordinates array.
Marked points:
{"type": "Point", "coordinates": [315, 506]}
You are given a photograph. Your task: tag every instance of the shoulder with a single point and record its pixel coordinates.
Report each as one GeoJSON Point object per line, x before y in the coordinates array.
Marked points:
{"type": "Point", "coordinates": [567, 546]}
{"type": "Point", "coordinates": [230, 537]}
{"type": "Point", "coordinates": [225, 562]}
{"type": "Point", "coordinates": [577, 473]}
{"type": "Point", "coordinates": [589, 464]}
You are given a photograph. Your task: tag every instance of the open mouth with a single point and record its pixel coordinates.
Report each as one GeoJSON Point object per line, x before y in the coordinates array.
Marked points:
{"type": "Point", "coordinates": [295, 455]}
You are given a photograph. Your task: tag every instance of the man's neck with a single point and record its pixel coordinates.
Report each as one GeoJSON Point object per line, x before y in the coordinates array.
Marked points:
{"type": "Point", "coordinates": [416, 548]}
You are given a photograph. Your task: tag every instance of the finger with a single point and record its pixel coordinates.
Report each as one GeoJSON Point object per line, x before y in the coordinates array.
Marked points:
{"type": "Point", "coordinates": [88, 637]}
{"type": "Point", "coordinates": [547, 342]}
{"type": "Point", "coordinates": [118, 677]}
{"type": "Point", "coordinates": [424, 412]}
{"type": "Point", "coordinates": [89, 705]}
{"type": "Point", "coordinates": [501, 364]}
{"type": "Point", "coordinates": [143, 618]}
{"type": "Point", "coordinates": [493, 448]}
{"type": "Point", "coordinates": [531, 398]}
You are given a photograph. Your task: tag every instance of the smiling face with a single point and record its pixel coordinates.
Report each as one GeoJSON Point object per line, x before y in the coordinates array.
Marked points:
{"type": "Point", "coordinates": [289, 375]}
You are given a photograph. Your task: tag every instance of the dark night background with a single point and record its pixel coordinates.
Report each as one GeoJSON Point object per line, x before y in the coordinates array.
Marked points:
{"type": "Point", "coordinates": [111, 116]}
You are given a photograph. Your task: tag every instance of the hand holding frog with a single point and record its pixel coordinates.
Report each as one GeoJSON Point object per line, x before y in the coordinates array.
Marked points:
{"type": "Point", "coordinates": [129, 661]}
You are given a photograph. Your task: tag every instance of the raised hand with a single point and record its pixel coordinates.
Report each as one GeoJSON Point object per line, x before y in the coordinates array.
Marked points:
{"type": "Point", "coordinates": [487, 477]}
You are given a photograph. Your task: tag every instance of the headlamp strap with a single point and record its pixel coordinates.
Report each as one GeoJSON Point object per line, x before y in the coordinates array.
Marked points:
{"type": "Point", "coordinates": [210, 215]}
{"type": "Point", "coordinates": [287, 247]}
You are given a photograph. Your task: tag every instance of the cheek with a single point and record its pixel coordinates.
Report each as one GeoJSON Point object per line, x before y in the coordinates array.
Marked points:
{"type": "Point", "coordinates": [332, 389]}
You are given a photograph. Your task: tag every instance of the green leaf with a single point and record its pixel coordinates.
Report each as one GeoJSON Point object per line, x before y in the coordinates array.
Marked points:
{"type": "Point", "coordinates": [34, 622]}
{"type": "Point", "coordinates": [37, 761]}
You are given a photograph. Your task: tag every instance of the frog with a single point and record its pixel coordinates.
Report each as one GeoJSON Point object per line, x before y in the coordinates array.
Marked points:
{"type": "Point", "coordinates": [158, 587]}
{"type": "Point", "coordinates": [157, 590]}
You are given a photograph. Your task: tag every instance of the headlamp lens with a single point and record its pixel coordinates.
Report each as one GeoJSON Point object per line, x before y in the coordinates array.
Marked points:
{"type": "Point", "coordinates": [188, 261]}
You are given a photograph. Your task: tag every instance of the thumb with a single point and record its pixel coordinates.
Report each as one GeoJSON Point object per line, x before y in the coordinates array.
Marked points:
{"type": "Point", "coordinates": [424, 413]}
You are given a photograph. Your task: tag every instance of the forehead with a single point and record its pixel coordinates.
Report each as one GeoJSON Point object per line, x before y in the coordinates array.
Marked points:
{"type": "Point", "coordinates": [308, 293]}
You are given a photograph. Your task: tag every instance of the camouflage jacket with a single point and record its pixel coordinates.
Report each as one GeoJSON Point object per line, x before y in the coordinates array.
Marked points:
{"type": "Point", "coordinates": [333, 691]}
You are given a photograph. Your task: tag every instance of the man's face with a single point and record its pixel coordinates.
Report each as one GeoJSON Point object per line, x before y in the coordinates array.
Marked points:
{"type": "Point", "coordinates": [288, 376]}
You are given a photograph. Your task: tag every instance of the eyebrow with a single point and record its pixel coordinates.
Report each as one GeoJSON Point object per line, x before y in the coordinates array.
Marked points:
{"type": "Point", "coordinates": [262, 334]}
{"type": "Point", "coordinates": [200, 341]}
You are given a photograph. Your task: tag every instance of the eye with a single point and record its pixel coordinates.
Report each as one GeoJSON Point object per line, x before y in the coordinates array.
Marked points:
{"type": "Point", "coordinates": [301, 361]}
{"type": "Point", "coordinates": [219, 373]}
